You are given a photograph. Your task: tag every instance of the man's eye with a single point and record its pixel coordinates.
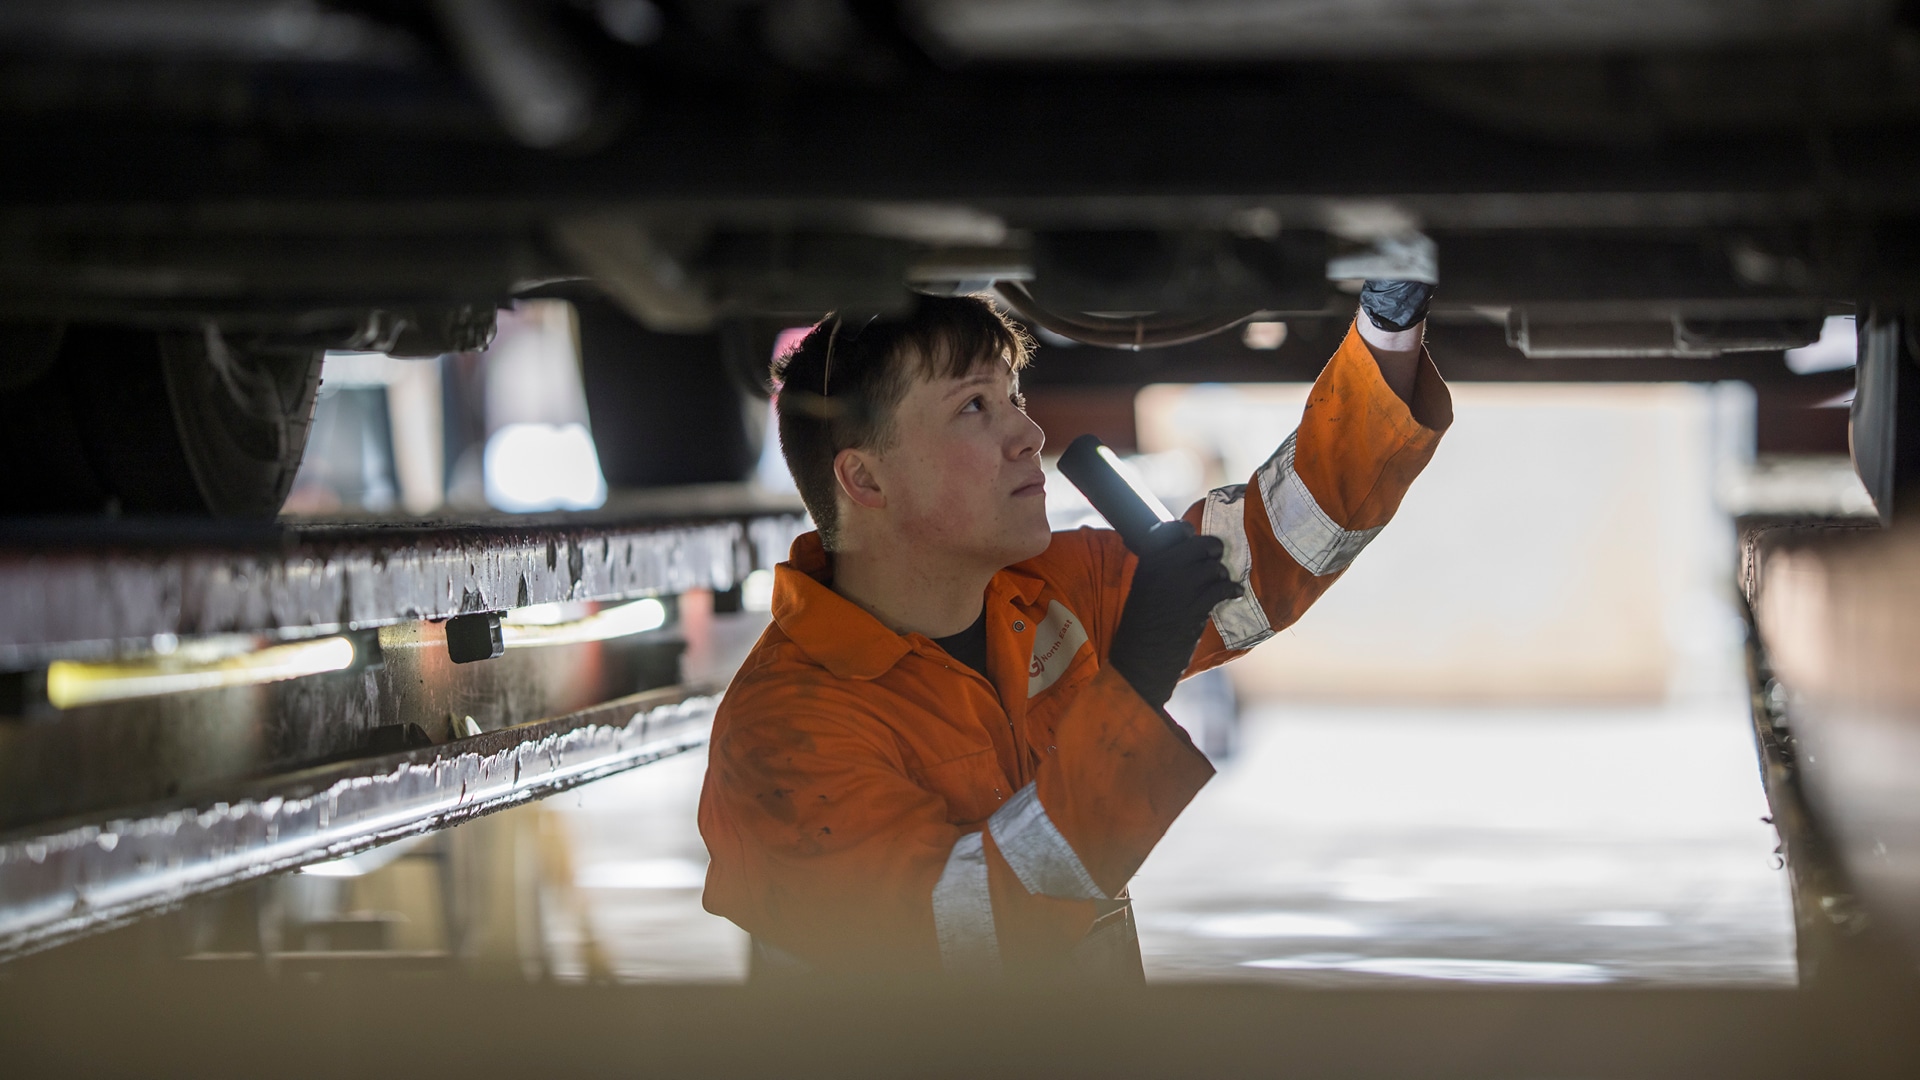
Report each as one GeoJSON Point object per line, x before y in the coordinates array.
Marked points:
{"type": "Point", "coordinates": [974, 404]}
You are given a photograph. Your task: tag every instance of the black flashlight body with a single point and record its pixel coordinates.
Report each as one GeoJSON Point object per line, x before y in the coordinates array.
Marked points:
{"type": "Point", "coordinates": [1109, 493]}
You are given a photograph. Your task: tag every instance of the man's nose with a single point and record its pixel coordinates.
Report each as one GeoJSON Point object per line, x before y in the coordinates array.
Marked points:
{"type": "Point", "coordinates": [1028, 437]}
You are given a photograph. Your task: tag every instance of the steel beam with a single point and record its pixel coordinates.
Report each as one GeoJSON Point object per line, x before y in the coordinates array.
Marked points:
{"type": "Point", "coordinates": [66, 879]}
{"type": "Point", "coordinates": [93, 588]}
{"type": "Point", "coordinates": [1466, 351]}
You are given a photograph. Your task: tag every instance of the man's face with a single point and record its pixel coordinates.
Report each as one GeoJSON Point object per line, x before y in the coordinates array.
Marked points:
{"type": "Point", "coordinates": [962, 477]}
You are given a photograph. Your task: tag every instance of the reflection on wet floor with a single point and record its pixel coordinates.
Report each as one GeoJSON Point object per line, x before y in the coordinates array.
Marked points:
{"type": "Point", "coordinates": [1513, 845]}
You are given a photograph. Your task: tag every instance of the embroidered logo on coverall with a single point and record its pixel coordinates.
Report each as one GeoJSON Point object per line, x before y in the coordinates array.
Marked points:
{"type": "Point", "coordinates": [1055, 641]}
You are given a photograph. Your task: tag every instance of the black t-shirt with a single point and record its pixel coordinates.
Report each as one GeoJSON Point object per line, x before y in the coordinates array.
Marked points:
{"type": "Point", "coordinates": [969, 646]}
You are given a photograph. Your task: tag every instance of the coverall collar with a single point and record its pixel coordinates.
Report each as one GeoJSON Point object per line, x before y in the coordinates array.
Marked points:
{"type": "Point", "coordinates": [839, 634]}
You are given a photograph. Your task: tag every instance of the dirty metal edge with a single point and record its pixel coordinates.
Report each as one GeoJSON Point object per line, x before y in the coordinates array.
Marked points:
{"type": "Point", "coordinates": [1826, 909]}
{"type": "Point", "coordinates": [63, 598]}
{"type": "Point", "coordinates": [80, 876]}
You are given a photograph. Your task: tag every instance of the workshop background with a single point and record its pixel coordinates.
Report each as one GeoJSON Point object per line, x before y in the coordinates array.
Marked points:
{"type": "Point", "coordinates": [1509, 746]}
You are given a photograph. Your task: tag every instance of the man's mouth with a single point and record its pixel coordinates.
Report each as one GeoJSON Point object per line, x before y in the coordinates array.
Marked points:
{"type": "Point", "coordinates": [1036, 486]}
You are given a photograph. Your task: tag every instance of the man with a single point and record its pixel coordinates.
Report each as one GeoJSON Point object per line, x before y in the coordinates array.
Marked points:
{"type": "Point", "coordinates": [948, 751]}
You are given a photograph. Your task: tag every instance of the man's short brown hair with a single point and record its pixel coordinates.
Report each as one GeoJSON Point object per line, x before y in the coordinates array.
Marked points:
{"type": "Point", "coordinates": [837, 389]}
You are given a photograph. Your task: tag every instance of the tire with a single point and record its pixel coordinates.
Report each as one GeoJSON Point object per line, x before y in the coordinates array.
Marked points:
{"type": "Point", "coordinates": [666, 409]}
{"type": "Point", "coordinates": [139, 421]}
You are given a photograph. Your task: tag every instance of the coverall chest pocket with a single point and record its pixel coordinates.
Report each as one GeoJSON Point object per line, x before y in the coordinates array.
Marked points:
{"type": "Point", "coordinates": [1045, 708]}
{"type": "Point", "coordinates": [972, 785]}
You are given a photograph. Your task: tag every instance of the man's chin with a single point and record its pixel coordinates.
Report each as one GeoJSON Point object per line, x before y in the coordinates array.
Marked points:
{"type": "Point", "coordinates": [1031, 542]}
{"type": "Point", "coordinates": [1014, 541]}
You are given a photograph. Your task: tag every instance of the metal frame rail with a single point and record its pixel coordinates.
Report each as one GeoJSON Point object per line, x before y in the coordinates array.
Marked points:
{"type": "Point", "coordinates": [84, 589]}
{"type": "Point", "coordinates": [75, 877]}
{"type": "Point", "coordinates": [1827, 913]}
{"type": "Point", "coordinates": [1838, 942]}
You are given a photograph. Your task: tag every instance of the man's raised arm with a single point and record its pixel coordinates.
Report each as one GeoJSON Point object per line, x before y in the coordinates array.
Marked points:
{"type": "Point", "coordinates": [1372, 422]}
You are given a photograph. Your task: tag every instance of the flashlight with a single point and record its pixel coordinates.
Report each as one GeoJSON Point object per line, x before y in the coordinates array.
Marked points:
{"type": "Point", "coordinates": [1115, 491]}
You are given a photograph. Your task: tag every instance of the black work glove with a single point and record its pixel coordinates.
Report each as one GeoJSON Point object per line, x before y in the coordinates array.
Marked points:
{"type": "Point", "coordinates": [1396, 305]}
{"type": "Point", "coordinates": [1176, 584]}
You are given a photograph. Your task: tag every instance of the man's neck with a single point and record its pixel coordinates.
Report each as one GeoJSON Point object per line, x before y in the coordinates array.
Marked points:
{"type": "Point", "coordinates": [911, 595]}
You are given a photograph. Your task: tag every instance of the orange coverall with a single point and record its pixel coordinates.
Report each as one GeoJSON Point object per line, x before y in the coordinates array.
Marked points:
{"type": "Point", "coordinates": [873, 805]}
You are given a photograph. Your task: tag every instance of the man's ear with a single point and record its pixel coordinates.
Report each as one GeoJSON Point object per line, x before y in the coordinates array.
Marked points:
{"type": "Point", "coordinates": [854, 470]}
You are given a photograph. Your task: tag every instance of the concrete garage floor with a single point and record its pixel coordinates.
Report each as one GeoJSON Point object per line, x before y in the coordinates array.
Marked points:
{"type": "Point", "coordinates": [1351, 844]}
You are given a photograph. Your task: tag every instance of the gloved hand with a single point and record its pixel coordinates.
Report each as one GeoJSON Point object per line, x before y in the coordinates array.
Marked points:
{"type": "Point", "coordinates": [1176, 584]}
{"type": "Point", "coordinates": [1396, 305]}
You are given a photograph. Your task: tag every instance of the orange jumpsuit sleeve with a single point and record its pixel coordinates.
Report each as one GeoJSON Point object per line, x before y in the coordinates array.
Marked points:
{"type": "Point", "coordinates": [1293, 528]}
{"type": "Point", "coordinates": [824, 846]}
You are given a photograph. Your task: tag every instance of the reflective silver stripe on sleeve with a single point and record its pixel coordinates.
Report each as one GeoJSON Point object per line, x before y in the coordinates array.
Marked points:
{"type": "Point", "coordinates": [1241, 621]}
{"type": "Point", "coordinates": [1041, 858]}
{"type": "Point", "coordinates": [963, 911]}
{"type": "Point", "coordinates": [1305, 530]}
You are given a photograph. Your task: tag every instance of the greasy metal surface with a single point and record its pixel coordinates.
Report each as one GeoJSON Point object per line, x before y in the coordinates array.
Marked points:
{"type": "Point", "coordinates": [1106, 30]}
{"type": "Point", "coordinates": [1828, 918]}
{"type": "Point", "coordinates": [1760, 538]}
{"type": "Point", "coordinates": [92, 759]}
{"type": "Point", "coordinates": [82, 875]}
{"type": "Point", "coordinates": [88, 588]}
{"type": "Point", "coordinates": [1838, 611]}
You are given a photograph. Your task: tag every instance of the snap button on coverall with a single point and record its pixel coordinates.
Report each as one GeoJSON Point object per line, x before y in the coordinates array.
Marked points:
{"type": "Point", "coordinates": [873, 805]}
